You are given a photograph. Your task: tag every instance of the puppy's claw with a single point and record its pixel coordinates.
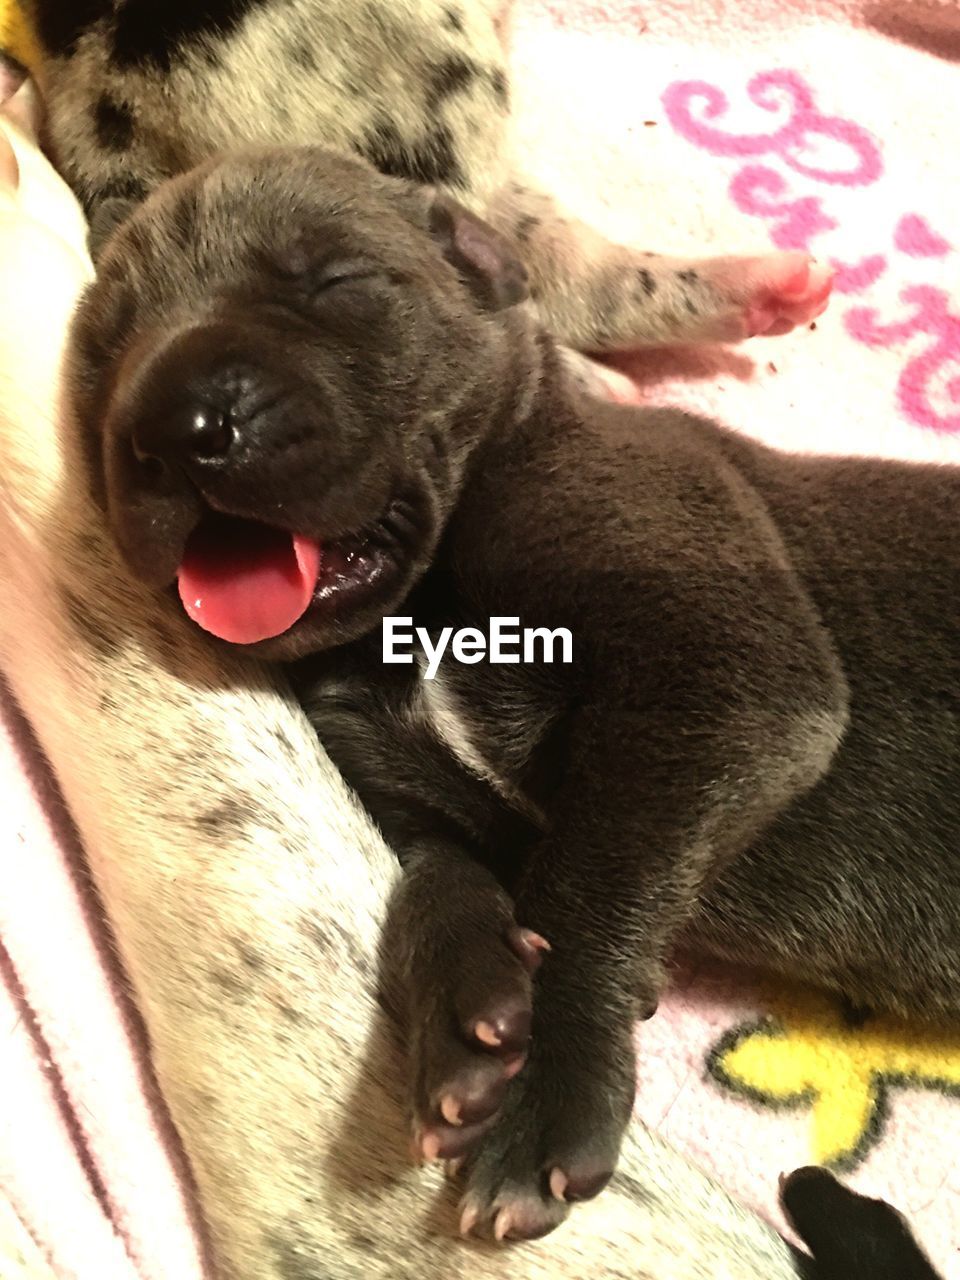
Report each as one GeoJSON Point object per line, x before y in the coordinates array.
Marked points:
{"type": "Point", "coordinates": [535, 940]}
{"type": "Point", "coordinates": [558, 1185]}
{"type": "Point", "coordinates": [487, 1035]}
{"type": "Point", "coordinates": [430, 1147]}
{"type": "Point", "coordinates": [469, 1219]}
{"type": "Point", "coordinates": [528, 947]}
{"type": "Point", "coordinates": [450, 1110]}
{"type": "Point", "coordinates": [506, 1031]}
{"type": "Point", "coordinates": [502, 1224]}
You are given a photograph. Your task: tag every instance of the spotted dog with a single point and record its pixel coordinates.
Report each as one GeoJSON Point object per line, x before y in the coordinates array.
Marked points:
{"type": "Point", "coordinates": [138, 92]}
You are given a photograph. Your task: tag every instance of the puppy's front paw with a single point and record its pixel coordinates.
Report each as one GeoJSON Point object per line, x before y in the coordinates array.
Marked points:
{"type": "Point", "coordinates": [470, 1029]}
{"type": "Point", "coordinates": [556, 1140]}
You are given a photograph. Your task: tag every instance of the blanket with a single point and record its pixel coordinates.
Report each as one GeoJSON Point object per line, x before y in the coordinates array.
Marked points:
{"type": "Point", "coordinates": [687, 126]}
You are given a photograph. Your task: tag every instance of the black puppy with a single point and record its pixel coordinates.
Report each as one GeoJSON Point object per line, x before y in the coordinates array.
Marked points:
{"type": "Point", "coordinates": [313, 403]}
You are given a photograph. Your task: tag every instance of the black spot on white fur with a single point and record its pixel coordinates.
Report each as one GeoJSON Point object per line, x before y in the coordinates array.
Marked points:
{"type": "Point", "coordinates": [91, 629]}
{"type": "Point", "coordinates": [301, 55]}
{"type": "Point", "coordinates": [451, 76]}
{"type": "Point", "coordinates": [430, 160]}
{"type": "Point", "coordinates": [114, 124]}
{"type": "Point", "coordinates": [227, 819]}
{"type": "Point", "coordinates": [525, 228]}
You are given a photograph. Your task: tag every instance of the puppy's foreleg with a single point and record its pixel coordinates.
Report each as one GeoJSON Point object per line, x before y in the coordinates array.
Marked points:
{"type": "Point", "coordinates": [599, 296]}
{"type": "Point", "coordinates": [708, 699]}
{"type": "Point", "coordinates": [456, 965]}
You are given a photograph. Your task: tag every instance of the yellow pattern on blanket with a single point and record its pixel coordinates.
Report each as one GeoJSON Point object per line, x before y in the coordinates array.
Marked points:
{"type": "Point", "coordinates": [839, 1062]}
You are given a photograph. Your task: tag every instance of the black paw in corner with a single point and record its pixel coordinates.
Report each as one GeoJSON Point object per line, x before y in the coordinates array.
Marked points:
{"type": "Point", "coordinates": [850, 1236]}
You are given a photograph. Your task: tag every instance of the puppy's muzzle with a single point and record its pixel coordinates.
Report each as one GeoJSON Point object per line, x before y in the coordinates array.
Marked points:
{"type": "Point", "coordinates": [236, 417]}
{"type": "Point", "coordinates": [186, 438]}
{"type": "Point", "coordinates": [191, 398]}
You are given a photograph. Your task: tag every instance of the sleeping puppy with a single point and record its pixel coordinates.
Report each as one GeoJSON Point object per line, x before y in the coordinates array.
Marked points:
{"type": "Point", "coordinates": [312, 402]}
{"type": "Point", "coordinates": [139, 92]}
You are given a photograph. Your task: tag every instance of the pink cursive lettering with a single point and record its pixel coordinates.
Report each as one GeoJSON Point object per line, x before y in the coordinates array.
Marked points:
{"type": "Point", "coordinates": [693, 105]}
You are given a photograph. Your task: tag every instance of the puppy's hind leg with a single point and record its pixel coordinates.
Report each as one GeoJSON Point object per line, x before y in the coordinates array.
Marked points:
{"type": "Point", "coordinates": [596, 295]}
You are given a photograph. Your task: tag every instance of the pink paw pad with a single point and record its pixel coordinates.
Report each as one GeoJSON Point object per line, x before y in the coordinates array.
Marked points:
{"type": "Point", "coordinates": [785, 290]}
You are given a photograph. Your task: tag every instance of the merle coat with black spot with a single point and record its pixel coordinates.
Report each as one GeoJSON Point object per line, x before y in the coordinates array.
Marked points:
{"type": "Point", "coordinates": [138, 92]}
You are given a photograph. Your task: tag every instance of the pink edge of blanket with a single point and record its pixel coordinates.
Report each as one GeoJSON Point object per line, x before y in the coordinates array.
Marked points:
{"type": "Point", "coordinates": [85, 1152]}
{"type": "Point", "coordinates": [40, 1173]}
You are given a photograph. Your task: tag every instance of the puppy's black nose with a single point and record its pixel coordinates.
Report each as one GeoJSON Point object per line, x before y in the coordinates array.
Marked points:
{"type": "Point", "coordinates": [186, 435]}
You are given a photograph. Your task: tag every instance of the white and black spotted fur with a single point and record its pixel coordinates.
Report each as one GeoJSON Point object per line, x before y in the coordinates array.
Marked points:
{"type": "Point", "coordinates": [138, 92]}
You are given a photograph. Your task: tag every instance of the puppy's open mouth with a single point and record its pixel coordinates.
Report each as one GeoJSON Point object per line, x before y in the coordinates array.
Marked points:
{"type": "Point", "coordinates": [245, 582]}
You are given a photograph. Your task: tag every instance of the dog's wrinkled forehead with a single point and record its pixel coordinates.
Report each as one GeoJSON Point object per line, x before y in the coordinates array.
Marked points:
{"type": "Point", "coordinates": [289, 211]}
{"type": "Point", "coordinates": [246, 231]}
{"type": "Point", "coordinates": [268, 244]}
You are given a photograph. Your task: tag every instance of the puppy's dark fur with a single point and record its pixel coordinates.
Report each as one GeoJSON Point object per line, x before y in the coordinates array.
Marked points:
{"type": "Point", "coordinates": [755, 748]}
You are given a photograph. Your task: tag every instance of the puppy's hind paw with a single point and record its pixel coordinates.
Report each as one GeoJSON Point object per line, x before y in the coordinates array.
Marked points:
{"type": "Point", "coordinates": [789, 289]}
{"type": "Point", "coordinates": [730, 299]}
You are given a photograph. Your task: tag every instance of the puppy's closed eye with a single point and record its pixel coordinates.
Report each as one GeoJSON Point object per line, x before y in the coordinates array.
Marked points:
{"type": "Point", "coordinates": [310, 266]}
{"type": "Point", "coordinates": [331, 275]}
{"type": "Point", "coordinates": [311, 277]}
{"type": "Point", "coordinates": [331, 293]}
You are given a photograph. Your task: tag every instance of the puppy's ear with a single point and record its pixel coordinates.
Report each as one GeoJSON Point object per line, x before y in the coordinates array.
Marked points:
{"type": "Point", "coordinates": [488, 264]}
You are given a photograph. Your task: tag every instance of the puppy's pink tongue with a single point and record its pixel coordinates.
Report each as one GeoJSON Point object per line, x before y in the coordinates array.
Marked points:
{"type": "Point", "coordinates": [245, 582]}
